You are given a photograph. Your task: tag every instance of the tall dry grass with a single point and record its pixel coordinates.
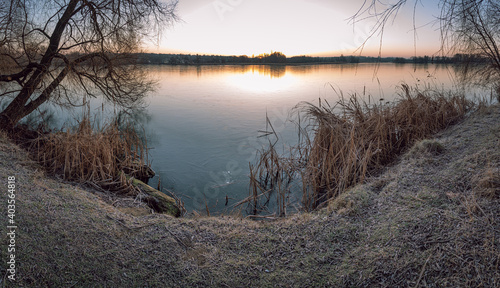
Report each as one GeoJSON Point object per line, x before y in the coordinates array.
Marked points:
{"type": "Point", "coordinates": [93, 155]}
{"type": "Point", "coordinates": [271, 175]}
{"type": "Point", "coordinates": [352, 140]}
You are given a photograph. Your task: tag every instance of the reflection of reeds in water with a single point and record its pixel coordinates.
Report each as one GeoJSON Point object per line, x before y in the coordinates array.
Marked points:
{"type": "Point", "coordinates": [95, 156]}
{"type": "Point", "coordinates": [351, 140]}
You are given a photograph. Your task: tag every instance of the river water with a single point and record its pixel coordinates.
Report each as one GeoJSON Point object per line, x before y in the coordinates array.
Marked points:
{"type": "Point", "coordinates": [205, 120]}
{"type": "Point", "coordinates": [204, 124]}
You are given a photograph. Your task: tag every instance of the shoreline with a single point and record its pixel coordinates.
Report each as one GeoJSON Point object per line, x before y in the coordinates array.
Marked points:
{"type": "Point", "coordinates": [415, 223]}
{"type": "Point", "coordinates": [293, 64]}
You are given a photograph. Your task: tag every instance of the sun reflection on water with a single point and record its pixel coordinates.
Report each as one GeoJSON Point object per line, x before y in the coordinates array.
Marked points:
{"type": "Point", "coordinates": [262, 79]}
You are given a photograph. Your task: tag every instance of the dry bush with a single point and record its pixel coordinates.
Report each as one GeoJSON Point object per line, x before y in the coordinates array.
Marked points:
{"type": "Point", "coordinates": [95, 156]}
{"type": "Point", "coordinates": [353, 139]}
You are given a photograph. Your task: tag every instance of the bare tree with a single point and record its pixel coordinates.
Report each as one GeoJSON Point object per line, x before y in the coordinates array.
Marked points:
{"type": "Point", "coordinates": [470, 27]}
{"type": "Point", "coordinates": [58, 50]}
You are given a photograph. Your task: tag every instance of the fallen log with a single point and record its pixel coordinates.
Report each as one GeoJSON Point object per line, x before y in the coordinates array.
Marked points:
{"type": "Point", "coordinates": [155, 199]}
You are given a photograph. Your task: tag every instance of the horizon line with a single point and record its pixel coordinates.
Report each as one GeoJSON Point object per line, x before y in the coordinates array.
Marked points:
{"type": "Point", "coordinates": [301, 55]}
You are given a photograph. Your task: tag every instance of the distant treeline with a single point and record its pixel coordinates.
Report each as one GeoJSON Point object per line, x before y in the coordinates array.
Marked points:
{"type": "Point", "coordinates": [280, 58]}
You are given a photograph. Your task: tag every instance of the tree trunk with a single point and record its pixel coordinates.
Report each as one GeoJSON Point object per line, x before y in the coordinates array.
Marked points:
{"type": "Point", "coordinates": [10, 117]}
{"type": "Point", "coordinates": [18, 109]}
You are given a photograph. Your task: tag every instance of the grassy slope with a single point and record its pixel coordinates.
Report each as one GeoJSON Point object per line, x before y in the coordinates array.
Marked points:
{"type": "Point", "coordinates": [430, 220]}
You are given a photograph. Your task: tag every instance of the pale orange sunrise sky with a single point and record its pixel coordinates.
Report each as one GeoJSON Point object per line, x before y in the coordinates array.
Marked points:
{"type": "Point", "coordinates": [295, 27]}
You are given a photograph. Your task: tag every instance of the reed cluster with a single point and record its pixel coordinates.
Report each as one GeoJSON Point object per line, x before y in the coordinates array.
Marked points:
{"type": "Point", "coordinates": [93, 155]}
{"type": "Point", "coordinates": [346, 142]}
{"type": "Point", "coordinates": [272, 173]}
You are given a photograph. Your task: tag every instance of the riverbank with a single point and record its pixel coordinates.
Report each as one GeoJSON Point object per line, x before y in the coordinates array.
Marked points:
{"type": "Point", "coordinates": [429, 220]}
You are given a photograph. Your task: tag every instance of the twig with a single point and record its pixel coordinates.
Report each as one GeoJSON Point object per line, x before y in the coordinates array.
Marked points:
{"type": "Point", "coordinates": [270, 217]}
{"type": "Point", "coordinates": [177, 238]}
{"type": "Point", "coordinates": [129, 228]}
{"type": "Point", "coordinates": [422, 271]}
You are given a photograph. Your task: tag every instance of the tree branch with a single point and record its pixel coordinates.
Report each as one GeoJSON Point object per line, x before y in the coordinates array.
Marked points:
{"type": "Point", "coordinates": [20, 75]}
{"type": "Point", "coordinates": [45, 95]}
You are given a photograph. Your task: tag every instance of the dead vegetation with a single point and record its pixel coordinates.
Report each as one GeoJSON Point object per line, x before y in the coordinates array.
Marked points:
{"type": "Point", "coordinates": [350, 141]}
{"type": "Point", "coordinates": [110, 157]}
{"type": "Point", "coordinates": [97, 156]}
{"type": "Point", "coordinates": [423, 222]}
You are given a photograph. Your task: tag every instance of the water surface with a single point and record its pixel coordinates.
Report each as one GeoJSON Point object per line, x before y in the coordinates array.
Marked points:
{"type": "Point", "coordinates": [205, 120]}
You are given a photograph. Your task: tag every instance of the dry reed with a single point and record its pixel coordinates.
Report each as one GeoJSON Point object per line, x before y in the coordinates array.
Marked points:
{"type": "Point", "coordinates": [98, 156]}
{"type": "Point", "coordinates": [352, 140]}
{"type": "Point", "coordinates": [272, 174]}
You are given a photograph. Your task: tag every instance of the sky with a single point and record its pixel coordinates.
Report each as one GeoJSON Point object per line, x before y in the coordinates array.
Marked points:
{"type": "Point", "coordinates": [296, 27]}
